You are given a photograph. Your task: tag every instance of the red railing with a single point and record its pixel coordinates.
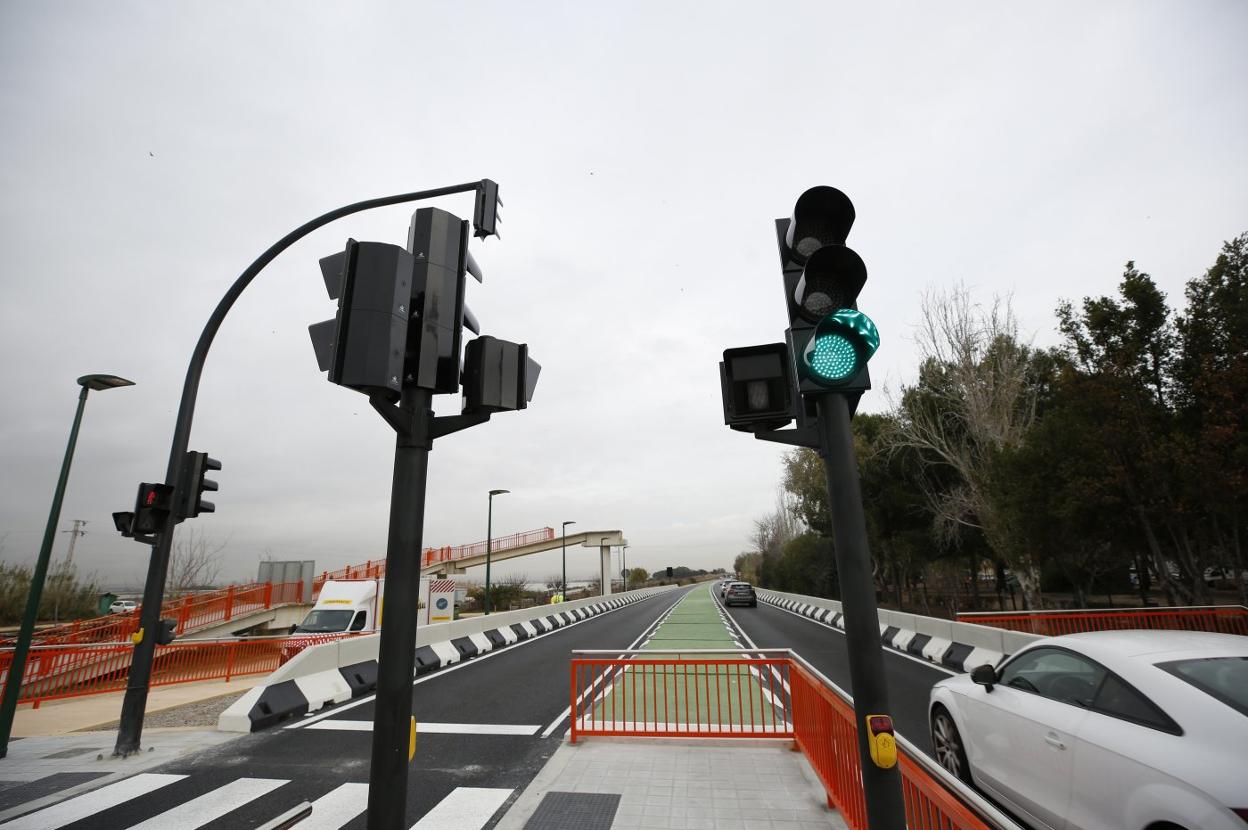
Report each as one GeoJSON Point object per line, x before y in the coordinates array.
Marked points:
{"type": "Point", "coordinates": [712, 693]}
{"type": "Point", "coordinates": [54, 672]}
{"type": "Point", "coordinates": [192, 611]}
{"type": "Point", "coordinates": [448, 553]}
{"type": "Point", "coordinates": [1224, 619]}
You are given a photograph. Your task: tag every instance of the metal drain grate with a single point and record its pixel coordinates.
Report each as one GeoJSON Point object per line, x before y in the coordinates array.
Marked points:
{"type": "Point", "coordinates": [575, 811]}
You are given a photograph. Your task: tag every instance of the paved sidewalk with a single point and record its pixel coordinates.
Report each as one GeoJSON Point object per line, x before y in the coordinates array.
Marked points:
{"type": "Point", "coordinates": [668, 784]}
{"type": "Point", "coordinates": [59, 717]}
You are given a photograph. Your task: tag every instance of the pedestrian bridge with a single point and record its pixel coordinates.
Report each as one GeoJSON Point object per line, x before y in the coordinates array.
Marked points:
{"type": "Point", "coordinates": [449, 561]}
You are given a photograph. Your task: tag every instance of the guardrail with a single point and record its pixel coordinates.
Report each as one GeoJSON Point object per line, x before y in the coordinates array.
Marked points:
{"type": "Point", "coordinates": [58, 671]}
{"type": "Point", "coordinates": [676, 697]}
{"type": "Point", "coordinates": [448, 553]}
{"type": "Point", "coordinates": [1223, 619]}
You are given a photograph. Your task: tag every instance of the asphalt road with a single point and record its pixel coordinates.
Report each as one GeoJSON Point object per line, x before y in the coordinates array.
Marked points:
{"type": "Point", "coordinates": [909, 679]}
{"type": "Point", "coordinates": [458, 773]}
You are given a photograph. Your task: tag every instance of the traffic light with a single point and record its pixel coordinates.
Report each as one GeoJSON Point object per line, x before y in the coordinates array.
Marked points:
{"type": "Point", "coordinates": [829, 340]}
{"type": "Point", "coordinates": [669, 571]}
{"type": "Point", "coordinates": [485, 212]}
{"type": "Point", "coordinates": [498, 376]}
{"type": "Point", "coordinates": [195, 483]}
{"type": "Point", "coordinates": [362, 347]}
{"type": "Point", "coordinates": [401, 313]}
{"type": "Point", "coordinates": [439, 245]}
{"type": "Point", "coordinates": [165, 632]}
{"type": "Point", "coordinates": [757, 387]}
{"type": "Point", "coordinates": [151, 508]}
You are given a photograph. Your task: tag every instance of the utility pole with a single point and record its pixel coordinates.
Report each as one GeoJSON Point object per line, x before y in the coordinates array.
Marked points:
{"type": "Point", "coordinates": [69, 561]}
{"type": "Point", "coordinates": [73, 537]}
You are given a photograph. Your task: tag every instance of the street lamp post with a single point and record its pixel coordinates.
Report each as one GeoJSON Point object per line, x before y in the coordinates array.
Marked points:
{"type": "Point", "coordinates": [12, 688]}
{"type": "Point", "coordinates": [565, 560]}
{"type": "Point", "coordinates": [489, 541]}
{"type": "Point", "coordinates": [624, 565]}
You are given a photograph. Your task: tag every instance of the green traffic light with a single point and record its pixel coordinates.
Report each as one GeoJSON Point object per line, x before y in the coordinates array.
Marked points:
{"type": "Point", "coordinates": [842, 344]}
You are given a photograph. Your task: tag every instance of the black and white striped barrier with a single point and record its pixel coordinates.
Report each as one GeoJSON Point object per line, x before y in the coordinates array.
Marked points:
{"type": "Point", "coordinates": [954, 645]}
{"type": "Point", "coordinates": [338, 671]}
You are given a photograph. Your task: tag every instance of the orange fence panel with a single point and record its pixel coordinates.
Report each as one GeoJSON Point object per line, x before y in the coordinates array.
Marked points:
{"type": "Point", "coordinates": [1224, 619]}
{"type": "Point", "coordinates": [54, 672]}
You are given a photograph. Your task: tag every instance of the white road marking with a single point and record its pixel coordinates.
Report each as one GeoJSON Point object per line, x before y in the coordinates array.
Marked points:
{"type": "Point", "coordinates": [212, 805]}
{"type": "Point", "coordinates": [87, 804]}
{"type": "Point", "coordinates": [435, 728]}
{"type": "Point", "coordinates": [465, 808]}
{"type": "Point", "coordinates": [336, 808]}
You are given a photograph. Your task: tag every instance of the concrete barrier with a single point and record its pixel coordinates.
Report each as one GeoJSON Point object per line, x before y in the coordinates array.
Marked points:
{"type": "Point", "coordinates": [337, 671]}
{"type": "Point", "coordinates": [955, 645]}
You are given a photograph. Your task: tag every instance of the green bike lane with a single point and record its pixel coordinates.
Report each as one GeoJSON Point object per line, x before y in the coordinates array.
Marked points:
{"type": "Point", "coordinates": [675, 689]}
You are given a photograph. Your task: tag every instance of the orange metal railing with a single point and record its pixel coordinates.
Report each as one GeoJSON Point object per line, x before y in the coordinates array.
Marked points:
{"type": "Point", "coordinates": [634, 694]}
{"type": "Point", "coordinates": [673, 697]}
{"type": "Point", "coordinates": [191, 612]}
{"type": "Point", "coordinates": [194, 611]}
{"type": "Point", "coordinates": [1225, 619]}
{"type": "Point", "coordinates": [54, 672]}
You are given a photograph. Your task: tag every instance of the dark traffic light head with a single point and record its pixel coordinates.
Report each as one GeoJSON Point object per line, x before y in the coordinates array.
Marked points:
{"type": "Point", "coordinates": [822, 216]}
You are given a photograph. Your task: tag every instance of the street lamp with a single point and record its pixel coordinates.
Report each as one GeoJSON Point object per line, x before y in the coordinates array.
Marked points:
{"type": "Point", "coordinates": [565, 560]}
{"type": "Point", "coordinates": [489, 530]}
{"type": "Point", "coordinates": [12, 688]}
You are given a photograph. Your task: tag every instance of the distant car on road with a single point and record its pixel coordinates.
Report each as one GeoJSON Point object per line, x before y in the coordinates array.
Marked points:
{"type": "Point", "coordinates": [723, 586]}
{"type": "Point", "coordinates": [122, 606]}
{"type": "Point", "coordinates": [740, 593]}
{"type": "Point", "coordinates": [1131, 730]}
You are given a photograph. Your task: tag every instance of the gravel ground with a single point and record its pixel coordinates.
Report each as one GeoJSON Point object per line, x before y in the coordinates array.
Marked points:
{"type": "Point", "coordinates": [200, 713]}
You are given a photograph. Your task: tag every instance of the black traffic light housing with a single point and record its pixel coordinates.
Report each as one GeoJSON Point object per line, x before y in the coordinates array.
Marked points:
{"type": "Point", "coordinates": [194, 483]}
{"type": "Point", "coordinates": [363, 347]}
{"type": "Point", "coordinates": [757, 387]}
{"type": "Point", "coordinates": [821, 276]}
{"type": "Point", "coordinates": [439, 245]}
{"type": "Point", "coordinates": [499, 376]}
{"type": "Point", "coordinates": [151, 508]}
{"type": "Point", "coordinates": [166, 632]}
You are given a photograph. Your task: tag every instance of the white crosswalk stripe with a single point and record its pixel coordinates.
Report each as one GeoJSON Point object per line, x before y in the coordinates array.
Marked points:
{"type": "Point", "coordinates": [336, 807]}
{"type": "Point", "coordinates": [464, 808]}
{"type": "Point", "coordinates": [88, 804]}
{"type": "Point", "coordinates": [212, 805]}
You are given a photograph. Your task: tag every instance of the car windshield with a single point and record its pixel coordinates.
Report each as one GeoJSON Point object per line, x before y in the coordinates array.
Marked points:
{"type": "Point", "coordinates": [1223, 678]}
{"type": "Point", "coordinates": [319, 622]}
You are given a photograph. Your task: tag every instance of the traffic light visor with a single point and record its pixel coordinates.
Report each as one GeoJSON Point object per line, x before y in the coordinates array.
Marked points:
{"type": "Point", "coordinates": [842, 344]}
{"type": "Point", "coordinates": [822, 216]}
{"type": "Point", "coordinates": [831, 280]}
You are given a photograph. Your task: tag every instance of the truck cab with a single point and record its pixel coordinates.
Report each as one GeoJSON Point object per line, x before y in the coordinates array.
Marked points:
{"type": "Point", "coordinates": [344, 606]}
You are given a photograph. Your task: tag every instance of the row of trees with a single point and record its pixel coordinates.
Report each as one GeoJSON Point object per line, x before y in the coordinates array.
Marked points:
{"type": "Point", "coordinates": [1117, 460]}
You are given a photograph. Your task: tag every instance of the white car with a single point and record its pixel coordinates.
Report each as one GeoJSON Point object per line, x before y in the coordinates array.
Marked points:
{"type": "Point", "coordinates": [122, 606]}
{"type": "Point", "coordinates": [1131, 730]}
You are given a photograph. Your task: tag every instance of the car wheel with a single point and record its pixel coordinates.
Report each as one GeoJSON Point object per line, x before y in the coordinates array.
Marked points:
{"type": "Point", "coordinates": [947, 745]}
{"type": "Point", "coordinates": [754, 604]}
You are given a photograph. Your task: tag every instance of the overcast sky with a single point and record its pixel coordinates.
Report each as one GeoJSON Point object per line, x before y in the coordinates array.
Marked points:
{"type": "Point", "coordinates": [149, 151]}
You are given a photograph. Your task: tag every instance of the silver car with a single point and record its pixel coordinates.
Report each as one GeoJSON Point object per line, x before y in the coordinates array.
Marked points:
{"type": "Point", "coordinates": [1130, 730]}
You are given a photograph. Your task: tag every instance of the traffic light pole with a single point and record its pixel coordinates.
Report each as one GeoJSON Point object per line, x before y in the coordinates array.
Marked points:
{"type": "Point", "coordinates": [882, 787]}
{"type": "Point", "coordinates": [130, 729]}
{"type": "Point", "coordinates": [396, 656]}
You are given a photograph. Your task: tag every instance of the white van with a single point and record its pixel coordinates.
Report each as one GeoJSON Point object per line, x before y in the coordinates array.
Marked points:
{"type": "Point", "coordinates": [345, 606]}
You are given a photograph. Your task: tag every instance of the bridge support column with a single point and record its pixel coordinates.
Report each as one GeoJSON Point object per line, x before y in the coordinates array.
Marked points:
{"type": "Point", "coordinates": [605, 569]}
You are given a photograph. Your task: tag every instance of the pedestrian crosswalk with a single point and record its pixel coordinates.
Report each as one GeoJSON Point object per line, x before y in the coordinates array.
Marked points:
{"type": "Point", "coordinates": [137, 803]}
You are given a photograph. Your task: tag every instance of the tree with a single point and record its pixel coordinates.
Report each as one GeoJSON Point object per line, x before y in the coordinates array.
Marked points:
{"type": "Point", "coordinates": [976, 396]}
{"type": "Point", "coordinates": [194, 563]}
{"type": "Point", "coordinates": [637, 577]}
{"type": "Point", "coordinates": [772, 533]}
